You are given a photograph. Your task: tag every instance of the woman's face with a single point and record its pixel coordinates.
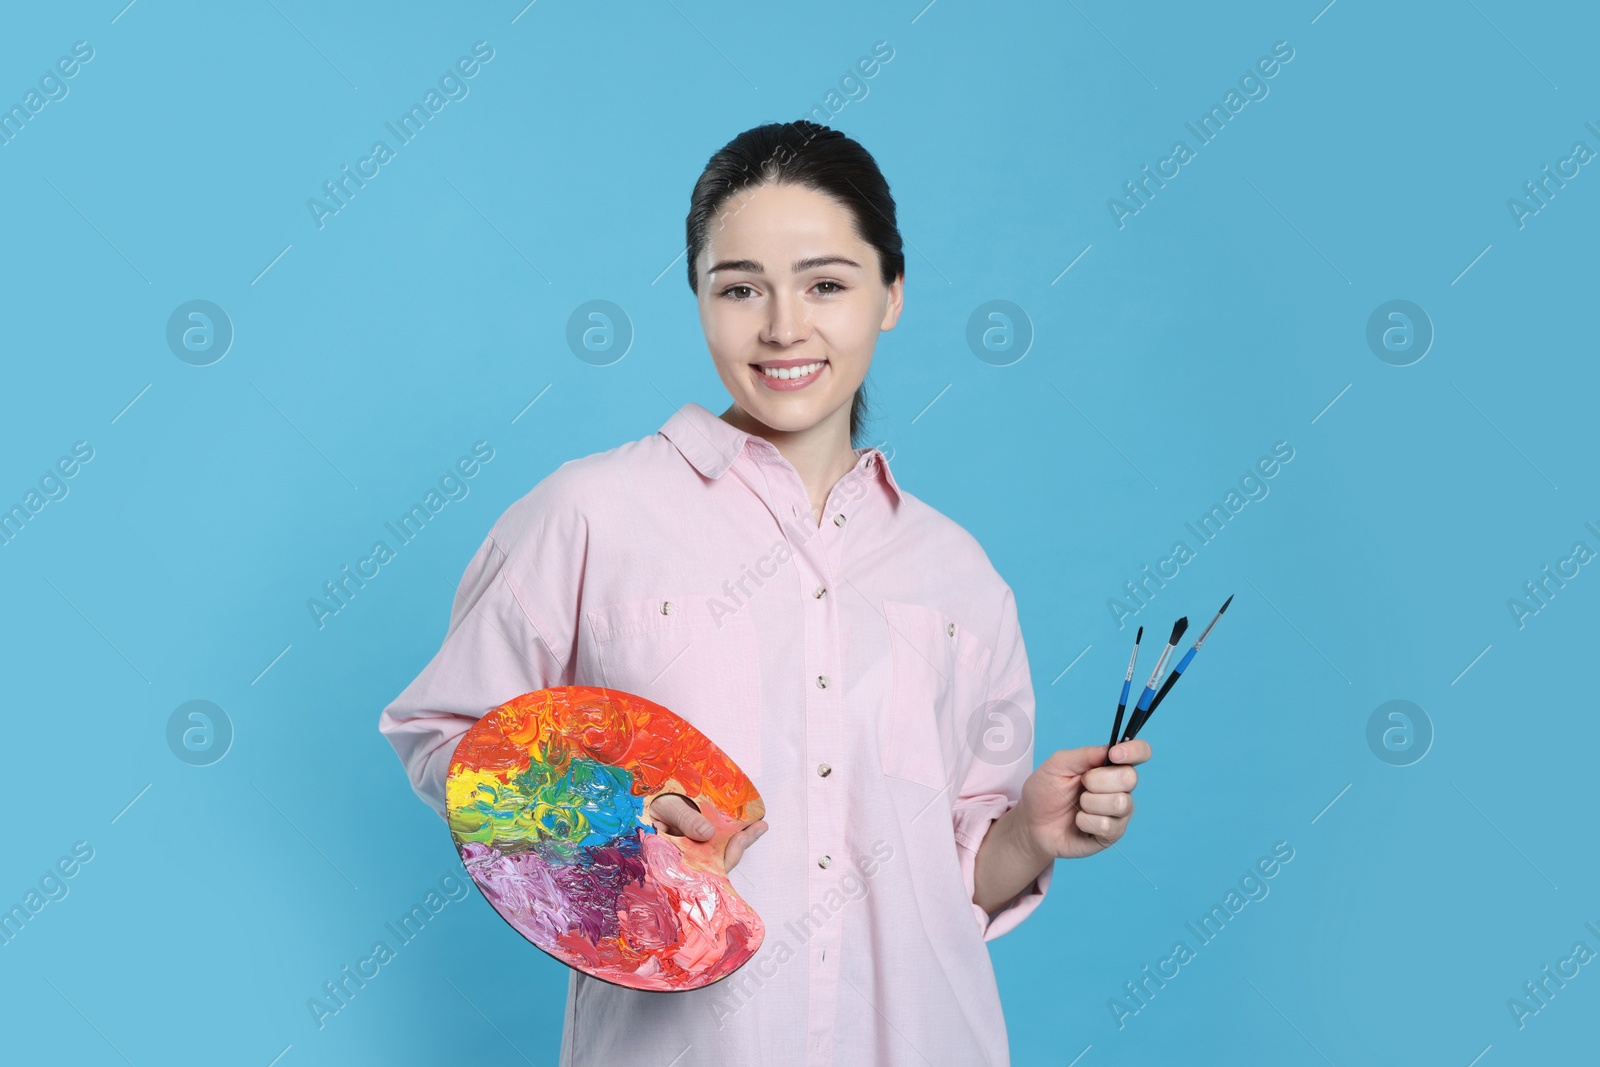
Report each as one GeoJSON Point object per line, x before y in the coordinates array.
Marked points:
{"type": "Point", "coordinates": [786, 282]}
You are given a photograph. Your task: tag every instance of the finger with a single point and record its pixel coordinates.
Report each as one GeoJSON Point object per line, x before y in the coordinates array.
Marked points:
{"type": "Point", "coordinates": [680, 816]}
{"type": "Point", "coordinates": [744, 839]}
{"type": "Point", "coordinates": [741, 841]}
{"type": "Point", "coordinates": [1112, 779]}
{"type": "Point", "coordinates": [1116, 805]}
{"type": "Point", "coordinates": [1070, 761]}
{"type": "Point", "coordinates": [1130, 752]}
{"type": "Point", "coordinates": [1103, 827]}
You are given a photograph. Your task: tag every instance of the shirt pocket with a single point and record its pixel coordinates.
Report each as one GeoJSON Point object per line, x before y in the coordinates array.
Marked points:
{"type": "Point", "coordinates": [671, 649]}
{"type": "Point", "coordinates": [938, 672]}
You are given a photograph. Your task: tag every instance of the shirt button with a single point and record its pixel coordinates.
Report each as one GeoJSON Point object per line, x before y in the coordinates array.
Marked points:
{"type": "Point", "coordinates": [820, 592]}
{"type": "Point", "coordinates": [951, 629]}
{"type": "Point", "coordinates": [666, 607]}
{"type": "Point", "coordinates": [823, 861]}
{"type": "Point", "coordinates": [824, 770]}
{"type": "Point", "coordinates": [838, 520]}
{"type": "Point", "coordinates": [822, 681]}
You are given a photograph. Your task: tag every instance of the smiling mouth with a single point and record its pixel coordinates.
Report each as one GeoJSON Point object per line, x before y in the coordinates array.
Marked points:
{"type": "Point", "coordinates": [789, 373]}
{"type": "Point", "coordinates": [789, 378]}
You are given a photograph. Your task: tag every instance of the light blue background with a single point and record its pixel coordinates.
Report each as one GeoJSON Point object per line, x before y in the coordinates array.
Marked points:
{"type": "Point", "coordinates": [1224, 317]}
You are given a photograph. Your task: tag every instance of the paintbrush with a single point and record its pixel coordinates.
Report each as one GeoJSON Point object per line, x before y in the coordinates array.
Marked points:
{"type": "Point", "coordinates": [1177, 672]}
{"type": "Point", "coordinates": [1136, 719]}
{"type": "Point", "coordinates": [1127, 681]}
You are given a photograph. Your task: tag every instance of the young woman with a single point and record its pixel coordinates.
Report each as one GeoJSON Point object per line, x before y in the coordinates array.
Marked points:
{"type": "Point", "coordinates": [851, 648]}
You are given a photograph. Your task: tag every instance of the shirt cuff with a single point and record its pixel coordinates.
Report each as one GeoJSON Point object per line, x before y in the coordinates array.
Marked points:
{"type": "Point", "coordinates": [972, 822]}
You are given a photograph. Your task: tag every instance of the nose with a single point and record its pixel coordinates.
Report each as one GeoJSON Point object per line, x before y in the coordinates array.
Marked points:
{"type": "Point", "coordinates": [786, 320]}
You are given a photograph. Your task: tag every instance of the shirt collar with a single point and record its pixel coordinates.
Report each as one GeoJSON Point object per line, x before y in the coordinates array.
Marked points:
{"type": "Point", "coordinates": [711, 444]}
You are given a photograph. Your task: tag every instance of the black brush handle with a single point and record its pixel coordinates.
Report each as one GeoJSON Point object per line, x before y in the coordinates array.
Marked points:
{"type": "Point", "coordinates": [1116, 727]}
{"type": "Point", "coordinates": [1137, 722]}
{"type": "Point", "coordinates": [1166, 687]}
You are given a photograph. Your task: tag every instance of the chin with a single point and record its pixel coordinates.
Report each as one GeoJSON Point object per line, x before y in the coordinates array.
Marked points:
{"type": "Point", "coordinates": [789, 416]}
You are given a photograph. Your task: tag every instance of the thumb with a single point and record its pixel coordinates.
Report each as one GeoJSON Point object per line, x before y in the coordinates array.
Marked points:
{"type": "Point", "coordinates": [679, 816]}
{"type": "Point", "coordinates": [1074, 761]}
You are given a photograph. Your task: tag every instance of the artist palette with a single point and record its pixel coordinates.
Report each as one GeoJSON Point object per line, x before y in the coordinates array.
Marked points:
{"type": "Point", "coordinates": [547, 800]}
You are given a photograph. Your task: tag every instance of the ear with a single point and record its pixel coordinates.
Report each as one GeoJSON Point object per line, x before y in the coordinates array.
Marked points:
{"type": "Point", "coordinates": [896, 302]}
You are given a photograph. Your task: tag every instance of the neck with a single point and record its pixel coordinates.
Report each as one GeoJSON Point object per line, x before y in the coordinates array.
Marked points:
{"type": "Point", "coordinates": [820, 454]}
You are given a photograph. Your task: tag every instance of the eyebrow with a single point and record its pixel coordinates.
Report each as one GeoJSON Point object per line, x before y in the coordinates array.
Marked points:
{"type": "Point", "coordinates": [751, 266]}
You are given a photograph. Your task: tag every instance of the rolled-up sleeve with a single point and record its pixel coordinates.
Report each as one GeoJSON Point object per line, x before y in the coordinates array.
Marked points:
{"type": "Point", "coordinates": [991, 787]}
{"type": "Point", "coordinates": [511, 632]}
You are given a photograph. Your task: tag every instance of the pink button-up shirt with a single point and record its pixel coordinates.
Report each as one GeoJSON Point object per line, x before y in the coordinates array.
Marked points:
{"type": "Point", "coordinates": [867, 673]}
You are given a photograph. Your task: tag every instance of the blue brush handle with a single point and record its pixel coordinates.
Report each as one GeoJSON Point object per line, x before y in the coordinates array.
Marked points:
{"type": "Point", "coordinates": [1146, 706]}
{"type": "Point", "coordinates": [1116, 726]}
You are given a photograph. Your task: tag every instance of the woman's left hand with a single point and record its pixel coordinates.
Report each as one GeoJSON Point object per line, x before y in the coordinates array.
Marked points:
{"type": "Point", "coordinates": [1075, 806]}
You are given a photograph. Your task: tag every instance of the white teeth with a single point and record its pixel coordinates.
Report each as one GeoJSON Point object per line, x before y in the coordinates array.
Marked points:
{"type": "Point", "coordinates": [791, 372]}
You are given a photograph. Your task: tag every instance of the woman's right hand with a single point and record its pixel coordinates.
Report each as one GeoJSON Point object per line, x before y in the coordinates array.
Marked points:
{"type": "Point", "coordinates": [673, 813]}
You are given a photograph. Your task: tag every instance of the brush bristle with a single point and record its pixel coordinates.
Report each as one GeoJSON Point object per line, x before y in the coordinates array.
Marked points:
{"type": "Point", "coordinates": [1225, 604]}
{"type": "Point", "coordinates": [1139, 636]}
{"type": "Point", "coordinates": [1177, 630]}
